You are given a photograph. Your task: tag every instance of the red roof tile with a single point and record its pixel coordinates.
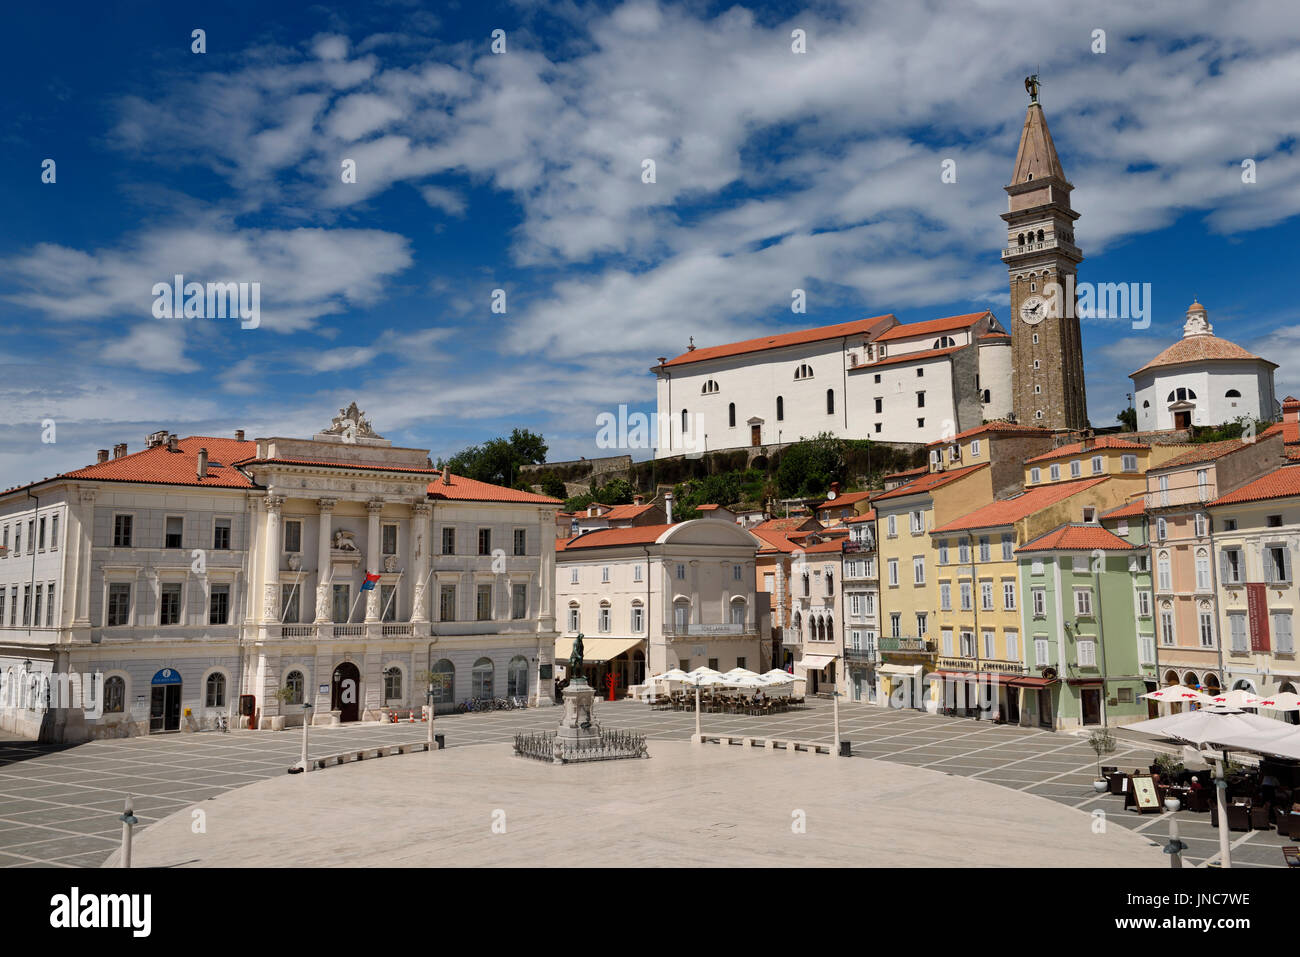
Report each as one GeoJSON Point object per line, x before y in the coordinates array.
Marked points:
{"type": "Point", "coordinates": [461, 489]}
{"type": "Point", "coordinates": [994, 335]}
{"type": "Point", "coordinates": [1200, 349]}
{"type": "Point", "coordinates": [159, 465]}
{"type": "Point", "coordinates": [991, 427]}
{"type": "Point", "coordinates": [619, 513]}
{"type": "Point", "coordinates": [931, 326]}
{"type": "Point", "coordinates": [1077, 538]}
{"type": "Point", "coordinates": [919, 470]}
{"type": "Point", "coordinates": [847, 498]}
{"type": "Point", "coordinates": [340, 465]}
{"type": "Point", "coordinates": [1076, 448]}
{"type": "Point", "coordinates": [1282, 482]}
{"type": "Point", "coordinates": [1204, 453]}
{"type": "Point", "coordinates": [929, 481]}
{"type": "Point", "coordinates": [864, 517]}
{"type": "Point", "coordinates": [763, 343]}
{"type": "Point", "coordinates": [1009, 510]}
{"type": "Point", "coordinates": [1131, 510]}
{"type": "Point", "coordinates": [607, 537]}
{"type": "Point", "coordinates": [908, 357]}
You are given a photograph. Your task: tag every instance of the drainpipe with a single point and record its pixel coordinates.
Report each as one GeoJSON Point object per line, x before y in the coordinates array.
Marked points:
{"type": "Point", "coordinates": [1101, 647]}
{"type": "Point", "coordinates": [844, 387]}
{"type": "Point", "coordinates": [975, 592]}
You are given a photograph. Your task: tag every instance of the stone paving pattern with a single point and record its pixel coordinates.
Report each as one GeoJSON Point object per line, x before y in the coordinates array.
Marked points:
{"type": "Point", "coordinates": [59, 806]}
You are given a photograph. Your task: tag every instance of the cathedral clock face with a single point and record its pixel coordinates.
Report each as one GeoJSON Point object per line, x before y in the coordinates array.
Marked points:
{"type": "Point", "coordinates": [1033, 310]}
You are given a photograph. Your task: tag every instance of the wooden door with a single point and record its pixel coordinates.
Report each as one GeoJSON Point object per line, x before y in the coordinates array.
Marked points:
{"type": "Point", "coordinates": [755, 435]}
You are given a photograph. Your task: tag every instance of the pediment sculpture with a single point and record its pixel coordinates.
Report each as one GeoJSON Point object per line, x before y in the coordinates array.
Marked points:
{"type": "Point", "coordinates": [343, 541]}
{"type": "Point", "coordinates": [351, 423]}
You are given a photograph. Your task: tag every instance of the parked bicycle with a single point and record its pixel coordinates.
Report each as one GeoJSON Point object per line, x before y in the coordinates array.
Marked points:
{"type": "Point", "coordinates": [220, 723]}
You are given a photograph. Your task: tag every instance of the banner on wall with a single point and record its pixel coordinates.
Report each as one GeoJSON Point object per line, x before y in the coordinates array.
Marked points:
{"type": "Point", "coordinates": [1257, 613]}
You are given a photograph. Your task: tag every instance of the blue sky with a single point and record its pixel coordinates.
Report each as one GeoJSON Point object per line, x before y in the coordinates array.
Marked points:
{"type": "Point", "coordinates": [522, 171]}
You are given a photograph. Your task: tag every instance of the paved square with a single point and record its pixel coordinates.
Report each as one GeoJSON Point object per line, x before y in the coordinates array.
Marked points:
{"type": "Point", "coordinates": [59, 806]}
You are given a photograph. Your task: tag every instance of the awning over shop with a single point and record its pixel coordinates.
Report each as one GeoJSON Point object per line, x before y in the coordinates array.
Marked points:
{"type": "Point", "coordinates": [815, 662]}
{"type": "Point", "coordinates": [594, 650]}
{"type": "Point", "coordinates": [910, 670]}
{"type": "Point", "coordinates": [1031, 682]}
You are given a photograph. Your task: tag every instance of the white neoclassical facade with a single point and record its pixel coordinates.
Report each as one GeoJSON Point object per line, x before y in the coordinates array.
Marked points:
{"type": "Point", "coordinates": [869, 379]}
{"type": "Point", "coordinates": [677, 596]}
{"type": "Point", "coordinates": [1203, 380]}
{"type": "Point", "coordinates": [204, 576]}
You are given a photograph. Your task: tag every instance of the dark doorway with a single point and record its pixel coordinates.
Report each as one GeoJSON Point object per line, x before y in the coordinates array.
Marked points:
{"type": "Point", "coordinates": [1090, 698]}
{"type": "Point", "coordinates": [1182, 420]}
{"type": "Point", "coordinates": [345, 694]}
{"type": "Point", "coordinates": [1045, 708]}
{"type": "Point", "coordinates": [165, 708]}
{"type": "Point", "coordinates": [1013, 706]}
{"type": "Point", "coordinates": [755, 435]}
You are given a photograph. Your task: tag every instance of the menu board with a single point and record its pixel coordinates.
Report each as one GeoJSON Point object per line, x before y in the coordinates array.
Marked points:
{"type": "Point", "coordinates": [1144, 793]}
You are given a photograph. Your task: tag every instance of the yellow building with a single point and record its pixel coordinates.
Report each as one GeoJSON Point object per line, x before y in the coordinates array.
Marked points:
{"type": "Point", "coordinates": [908, 596]}
{"type": "Point", "coordinates": [979, 622]}
{"type": "Point", "coordinates": [1093, 457]}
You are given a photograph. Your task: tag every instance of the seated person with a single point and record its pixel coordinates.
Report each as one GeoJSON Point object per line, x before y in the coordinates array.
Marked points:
{"type": "Point", "coordinates": [1196, 783]}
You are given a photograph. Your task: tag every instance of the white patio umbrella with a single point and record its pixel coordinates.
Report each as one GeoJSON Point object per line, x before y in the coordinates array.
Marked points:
{"type": "Point", "coordinates": [740, 673]}
{"type": "Point", "coordinates": [701, 671]}
{"type": "Point", "coordinates": [1225, 729]}
{"type": "Point", "coordinates": [1236, 698]}
{"type": "Point", "coordinates": [1286, 701]}
{"type": "Point", "coordinates": [778, 674]}
{"type": "Point", "coordinates": [672, 674]}
{"type": "Point", "coordinates": [750, 683]}
{"type": "Point", "coordinates": [1177, 694]}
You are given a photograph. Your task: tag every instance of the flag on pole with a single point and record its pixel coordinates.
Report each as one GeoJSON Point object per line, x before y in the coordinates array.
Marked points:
{"type": "Point", "coordinates": [369, 583]}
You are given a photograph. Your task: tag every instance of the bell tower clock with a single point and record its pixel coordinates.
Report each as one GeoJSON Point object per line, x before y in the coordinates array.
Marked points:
{"type": "Point", "coordinates": [1042, 259]}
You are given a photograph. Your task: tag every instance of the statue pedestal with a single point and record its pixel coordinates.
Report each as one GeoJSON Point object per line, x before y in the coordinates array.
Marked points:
{"type": "Point", "coordinates": [577, 729]}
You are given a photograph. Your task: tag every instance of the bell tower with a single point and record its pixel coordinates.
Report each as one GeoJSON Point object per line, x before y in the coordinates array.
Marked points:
{"type": "Point", "coordinates": [1042, 259]}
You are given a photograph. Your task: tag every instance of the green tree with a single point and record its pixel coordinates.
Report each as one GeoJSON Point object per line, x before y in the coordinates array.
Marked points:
{"type": "Point", "coordinates": [1129, 418]}
{"type": "Point", "coordinates": [616, 492]}
{"type": "Point", "coordinates": [498, 460]}
{"type": "Point", "coordinates": [808, 467]}
{"type": "Point", "coordinates": [552, 486]}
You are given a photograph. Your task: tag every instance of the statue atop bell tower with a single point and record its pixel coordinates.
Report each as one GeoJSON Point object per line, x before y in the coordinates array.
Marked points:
{"type": "Point", "coordinates": [1042, 259]}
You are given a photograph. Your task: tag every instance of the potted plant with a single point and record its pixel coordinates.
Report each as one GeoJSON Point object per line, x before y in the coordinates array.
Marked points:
{"type": "Point", "coordinates": [284, 696]}
{"type": "Point", "coordinates": [1102, 743]}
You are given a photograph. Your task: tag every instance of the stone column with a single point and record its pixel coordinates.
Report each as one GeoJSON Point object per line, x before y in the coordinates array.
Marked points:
{"type": "Point", "coordinates": [373, 508]}
{"type": "Point", "coordinates": [271, 557]}
{"type": "Point", "coordinates": [546, 573]}
{"type": "Point", "coordinates": [323, 568]}
{"type": "Point", "coordinates": [421, 543]}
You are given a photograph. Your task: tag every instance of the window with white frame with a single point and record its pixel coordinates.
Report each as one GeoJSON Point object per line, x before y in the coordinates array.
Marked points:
{"type": "Point", "coordinates": [918, 570]}
{"type": "Point", "coordinates": [1040, 650]}
{"type": "Point", "coordinates": [893, 571]}
{"type": "Point", "coordinates": [1206, 621]}
{"type": "Point", "coordinates": [1122, 528]}
{"type": "Point", "coordinates": [967, 644]}
{"type": "Point", "coordinates": [1035, 476]}
{"type": "Point", "coordinates": [946, 638]}
{"type": "Point", "coordinates": [518, 600]}
{"type": "Point", "coordinates": [1013, 646]}
{"type": "Point", "coordinates": [943, 551]}
{"type": "Point", "coordinates": [984, 548]}
{"type": "Point", "coordinates": [1232, 566]}
{"type": "Point", "coordinates": [1008, 547]}
{"type": "Point", "coordinates": [573, 575]}
{"type": "Point", "coordinates": [574, 617]}
{"type": "Point", "coordinates": [1202, 570]}
{"type": "Point", "coordinates": [1277, 563]}
{"type": "Point", "coordinates": [603, 617]}
{"type": "Point", "coordinates": [1008, 594]}
{"type": "Point", "coordinates": [975, 447]}
{"type": "Point", "coordinates": [1282, 639]}
{"type": "Point", "coordinates": [1237, 631]}
{"type": "Point", "coordinates": [1144, 604]}
{"type": "Point", "coordinates": [1040, 602]}
{"type": "Point", "coordinates": [945, 596]}
{"type": "Point", "coordinates": [1164, 579]}
{"type": "Point", "coordinates": [1129, 463]}
{"type": "Point", "coordinates": [986, 596]}
{"type": "Point", "coordinates": [638, 618]}
{"type": "Point", "coordinates": [1147, 649]}
{"type": "Point", "coordinates": [1087, 654]}
{"type": "Point", "coordinates": [604, 574]}
{"type": "Point", "coordinates": [1083, 601]}
{"type": "Point", "coordinates": [1098, 465]}
{"type": "Point", "coordinates": [1166, 626]}
{"type": "Point", "coordinates": [965, 592]}
{"type": "Point", "coordinates": [1202, 525]}
{"type": "Point", "coordinates": [963, 552]}
{"type": "Point", "coordinates": [1076, 469]}
{"type": "Point", "coordinates": [1054, 471]}
{"type": "Point", "coordinates": [119, 605]}
{"type": "Point", "coordinates": [638, 573]}
{"type": "Point", "coordinates": [917, 520]}
{"type": "Point", "coordinates": [988, 644]}
{"type": "Point", "coordinates": [1036, 566]}
{"type": "Point", "coordinates": [891, 526]}
{"type": "Point", "coordinates": [1162, 529]}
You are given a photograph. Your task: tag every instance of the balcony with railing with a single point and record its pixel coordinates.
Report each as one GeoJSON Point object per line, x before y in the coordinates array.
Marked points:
{"type": "Point", "coordinates": [908, 644]}
{"type": "Point", "coordinates": [862, 656]}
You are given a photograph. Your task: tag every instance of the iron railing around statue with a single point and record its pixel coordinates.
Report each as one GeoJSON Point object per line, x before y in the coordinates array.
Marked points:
{"type": "Point", "coordinates": [604, 746]}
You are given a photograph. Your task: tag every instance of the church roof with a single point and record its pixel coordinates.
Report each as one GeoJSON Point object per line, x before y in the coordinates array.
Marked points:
{"type": "Point", "coordinates": [1036, 158]}
{"type": "Point", "coordinates": [1202, 348]}
{"type": "Point", "coordinates": [931, 326]}
{"type": "Point", "coordinates": [763, 343]}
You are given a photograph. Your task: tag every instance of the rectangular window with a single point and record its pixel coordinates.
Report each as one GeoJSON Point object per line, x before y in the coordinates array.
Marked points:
{"type": "Point", "coordinates": [40, 535]}
{"type": "Point", "coordinates": [1277, 563]}
{"type": "Point", "coordinates": [13, 608]}
{"type": "Point", "coordinates": [518, 601]}
{"type": "Point", "coordinates": [918, 570]}
{"type": "Point", "coordinates": [965, 590]}
{"type": "Point", "coordinates": [574, 619]}
{"type": "Point", "coordinates": [737, 573]}
{"type": "Point", "coordinates": [855, 604]}
{"type": "Point", "coordinates": [1237, 631]}
{"type": "Point", "coordinates": [173, 535]}
{"type": "Point", "coordinates": [483, 606]}
{"type": "Point", "coordinates": [681, 574]}
{"type": "Point", "coordinates": [290, 604]}
{"type": "Point", "coordinates": [1083, 601]}
{"type": "Point", "coordinates": [1009, 596]}
{"type": "Point", "coordinates": [945, 596]}
{"type": "Point", "coordinates": [18, 538]}
{"type": "Point", "coordinates": [292, 535]}
{"type": "Point", "coordinates": [974, 447]}
{"type": "Point", "coordinates": [946, 638]}
{"type": "Point", "coordinates": [49, 605]}
{"type": "Point", "coordinates": [388, 603]}
{"type": "Point", "coordinates": [36, 618]}
{"type": "Point", "coordinates": [638, 619]}
{"type": "Point", "coordinates": [602, 619]}
{"type": "Point", "coordinates": [1087, 654]}
{"type": "Point", "coordinates": [917, 520]}
{"type": "Point", "coordinates": [920, 624]}
{"type": "Point", "coordinates": [896, 624]}
{"type": "Point", "coordinates": [943, 552]}
{"type": "Point", "coordinates": [638, 574]}
{"type": "Point", "coordinates": [1147, 649]}
{"type": "Point", "coordinates": [1055, 471]}
{"type": "Point", "coordinates": [1008, 547]}
{"type": "Point", "coordinates": [986, 596]}
{"type": "Point", "coordinates": [984, 548]}
{"type": "Point", "coordinates": [219, 605]}
{"type": "Point", "coordinates": [893, 571]}
{"type": "Point", "coordinates": [891, 525]}
{"type": "Point", "coordinates": [988, 644]}
{"type": "Point", "coordinates": [169, 604]}
{"type": "Point", "coordinates": [1203, 572]}
{"type": "Point", "coordinates": [341, 603]}
{"type": "Point", "coordinates": [1129, 463]}
{"type": "Point", "coordinates": [1166, 627]}
{"type": "Point", "coordinates": [963, 552]}
{"type": "Point", "coordinates": [1144, 604]}
{"type": "Point", "coordinates": [1040, 602]}
{"type": "Point", "coordinates": [1035, 476]}
{"type": "Point", "coordinates": [121, 531]}
{"type": "Point", "coordinates": [1036, 566]}
{"type": "Point", "coordinates": [1013, 646]}
{"type": "Point", "coordinates": [1232, 566]}
{"type": "Point", "coordinates": [521, 541]}
{"type": "Point", "coordinates": [967, 644]}
{"type": "Point", "coordinates": [1202, 525]}
{"type": "Point", "coordinates": [1282, 639]}
{"type": "Point", "coordinates": [220, 534]}
{"type": "Point", "coordinates": [920, 399]}
{"type": "Point", "coordinates": [573, 576]}
{"type": "Point", "coordinates": [1076, 468]}
{"type": "Point", "coordinates": [1206, 629]}
{"type": "Point", "coordinates": [1040, 651]}
{"type": "Point", "coordinates": [388, 539]}
{"type": "Point", "coordinates": [119, 604]}
{"type": "Point", "coordinates": [4, 541]}
{"type": "Point", "coordinates": [1098, 465]}
{"type": "Point", "coordinates": [485, 541]}
{"type": "Point", "coordinates": [4, 602]}
{"type": "Point", "coordinates": [879, 402]}
{"type": "Point", "coordinates": [449, 541]}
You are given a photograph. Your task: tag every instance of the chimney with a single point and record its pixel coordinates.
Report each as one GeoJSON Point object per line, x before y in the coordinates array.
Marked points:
{"type": "Point", "coordinates": [1290, 410]}
{"type": "Point", "coordinates": [202, 469]}
{"type": "Point", "coordinates": [445, 478]}
{"type": "Point", "coordinates": [239, 435]}
{"type": "Point", "coordinates": [640, 499]}
{"type": "Point", "coordinates": [835, 487]}
{"type": "Point", "coordinates": [119, 450]}
{"type": "Point", "coordinates": [172, 445]}
{"type": "Point", "coordinates": [668, 506]}
{"type": "Point", "coordinates": [101, 456]}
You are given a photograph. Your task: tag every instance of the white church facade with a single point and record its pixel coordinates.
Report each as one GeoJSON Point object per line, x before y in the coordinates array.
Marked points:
{"type": "Point", "coordinates": [873, 378]}
{"type": "Point", "coordinates": [1203, 380]}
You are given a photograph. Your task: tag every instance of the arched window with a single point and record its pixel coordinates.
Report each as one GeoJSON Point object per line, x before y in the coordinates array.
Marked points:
{"type": "Point", "coordinates": [1191, 394]}
{"type": "Point", "coordinates": [830, 629]}
{"type": "Point", "coordinates": [114, 695]}
{"type": "Point", "coordinates": [215, 691]}
{"type": "Point", "coordinates": [710, 387]}
{"type": "Point", "coordinates": [1163, 580]}
{"type": "Point", "coordinates": [481, 678]}
{"type": "Point", "coordinates": [393, 684]}
{"type": "Point", "coordinates": [1232, 394]}
{"type": "Point", "coordinates": [803, 372]}
{"type": "Point", "coordinates": [1040, 235]}
{"type": "Point", "coordinates": [731, 415]}
{"type": "Point", "coordinates": [1022, 239]}
{"type": "Point", "coordinates": [830, 401]}
{"type": "Point", "coordinates": [294, 683]}
{"type": "Point", "coordinates": [780, 408]}
{"type": "Point", "coordinates": [681, 615]}
{"type": "Point", "coordinates": [944, 342]}
{"type": "Point", "coordinates": [798, 624]}
{"type": "Point", "coordinates": [738, 611]}
{"type": "Point", "coordinates": [517, 677]}
{"type": "Point", "coordinates": [444, 683]}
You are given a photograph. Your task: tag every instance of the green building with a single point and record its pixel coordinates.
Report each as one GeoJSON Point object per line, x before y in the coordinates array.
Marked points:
{"type": "Point", "coordinates": [1088, 626]}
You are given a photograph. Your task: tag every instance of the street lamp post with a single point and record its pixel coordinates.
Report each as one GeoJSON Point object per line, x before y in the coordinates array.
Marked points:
{"type": "Point", "coordinates": [835, 745]}
{"type": "Point", "coordinates": [306, 723]}
{"type": "Point", "coordinates": [129, 821]}
{"type": "Point", "coordinates": [429, 694]}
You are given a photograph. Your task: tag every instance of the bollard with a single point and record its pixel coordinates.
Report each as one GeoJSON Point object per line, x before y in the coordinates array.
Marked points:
{"type": "Point", "coordinates": [1175, 847]}
{"type": "Point", "coordinates": [846, 749]}
{"type": "Point", "coordinates": [129, 821]}
{"type": "Point", "coordinates": [441, 740]}
{"type": "Point", "coordinates": [429, 710]}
